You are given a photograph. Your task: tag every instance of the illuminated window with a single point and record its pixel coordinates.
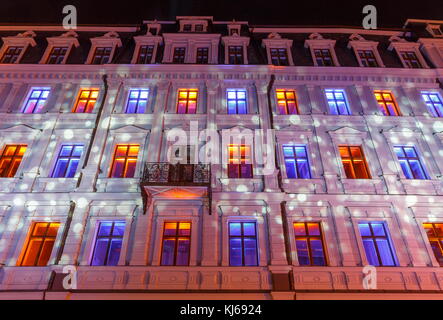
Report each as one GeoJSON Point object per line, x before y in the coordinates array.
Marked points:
{"type": "Point", "coordinates": [202, 55]}
{"type": "Point", "coordinates": [39, 246]}
{"type": "Point", "coordinates": [296, 161]}
{"type": "Point", "coordinates": [309, 244]}
{"type": "Point", "coordinates": [10, 160]}
{"type": "Point", "coordinates": [354, 162]}
{"type": "Point", "coordinates": [108, 243]}
{"type": "Point", "coordinates": [11, 55]}
{"type": "Point", "coordinates": [86, 101]}
{"type": "Point", "coordinates": [125, 161]}
{"type": "Point", "coordinates": [323, 57]}
{"type": "Point", "coordinates": [410, 162]}
{"type": "Point", "coordinates": [176, 244]}
{"type": "Point", "coordinates": [337, 101]}
{"type": "Point", "coordinates": [235, 54]}
{"type": "Point", "coordinates": [239, 162]}
{"type": "Point", "coordinates": [410, 59]}
{"type": "Point", "coordinates": [187, 101]}
{"type": "Point", "coordinates": [102, 55]}
{"type": "Point", "coordinates": [57, 55]}
{"type": "Point", "coordinates": [179, 55]}
{"type": "Point", "coordinates": [279, 57]}
{"type": "Point", "coordinates": [435, 237]}
{"type": "Point", "coordinates": [377, 244]}
{"type": "Point", "coordinates": [387, 103]}
{"type": "Point", "coordinates": [286, 100]}
{"type": "Point", "coordinates": [367, 58]}
{"type": "Point", "coordinates": [145, 54]}
{"type": "Point", "coordinates": [67, 161]}
{"type": "Point", "coordinates": [434, 103]}
{"type": "Point", "coordinates": [137, 101]}
{"type": "Point", "coordinates": [243, 244]}
{"type": "Point", "coordinates": [36, 100]}
{"type": "Point", "coordinates": [236, 101]}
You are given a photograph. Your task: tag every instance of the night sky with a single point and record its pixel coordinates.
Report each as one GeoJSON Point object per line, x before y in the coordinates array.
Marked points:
{"type": "Point", "coordinates": [391, 13]}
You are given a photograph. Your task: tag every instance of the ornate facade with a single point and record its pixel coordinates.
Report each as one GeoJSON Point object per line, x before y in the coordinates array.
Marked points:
{"type": "Point", "coordinates": [343, 169]}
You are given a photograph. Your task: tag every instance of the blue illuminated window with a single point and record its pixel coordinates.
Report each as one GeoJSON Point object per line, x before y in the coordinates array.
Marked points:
{"type": "Point", "coordinates": [108, 243]}
{"type": "Point", "coordinates": [410, 162]}
{"type": "Point", "coordinates": [237, 101]}
{"type": "Point", "coordinates": [377, 244]}
{"type": "Point", "coordinates": [296, 161]}
{"type": "Point", "coordinates": [36, 100]}
{"type": "Point", "coordinates": [67, 161]}
{"type": "Point", "coordinates": [137, 101]}
{"type": "Point", "coordinates": [243, 244]}
{"type": "Point", "coordinates": [337, 101]}
{"type": "Point", "coordinates": [434, 103]}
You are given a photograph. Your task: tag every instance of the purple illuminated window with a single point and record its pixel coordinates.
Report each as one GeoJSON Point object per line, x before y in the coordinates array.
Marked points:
{"type": "Point", "coordinates": [337, 101]}
{"type": "Point", "coordinates": [377, 244]}
{"type": "Point", "coordinates": [410, 162]}
{"type": "Point", "coordinates": [434, 103]}
{"type": "Point", "coordinates": [108, 243]}
{"type": "Point", "coordinates": [36, 100]}
{"type": "Point", "coordinates": [243, 244]}
{"type": "Point", "coordinates": [137, 101]}
{"type": "Point", "coordinates": [67, 161]}
{"type": "Point", "coordinates": [296, 161]}
{"type": "Point", "coordinates": [236, 101]}
{"type": "Point", "coordinates": [176, 244]}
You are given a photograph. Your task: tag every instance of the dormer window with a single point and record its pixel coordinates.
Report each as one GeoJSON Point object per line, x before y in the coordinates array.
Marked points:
{"type": "Point", "coordinates": [235, 54]}
{"type": "Point", "coordinates": [146, 45]}
{"type": "Point", "coordinates": [202, 55]}
{"type": "Point", "coordinates": [365, 51]}
{"type": "Point", "coordinates": [322, 50]}
{"type": "Point", "coordinates": [187, 28]}
{"type": "Point", "coordinates": [101, 55]}
{"type": "Point", "coordinates": [145, 54]}
{"type": "Point", "coordinates": [408, 52]}
{"type": "Point", "coordinates": [153, 31]}
{"type": "Point", "coordinates": [179, 55]}
{"type": "Point", "coordinates": [193, 24]}
{"type": "Point", "coordinates": [198, 28]}
{"type": "Point", "coordinates": [278, 50]}
{"type": "Point", "coordinates": [57, 55]}
{"type": "Point", "coordinates": [59, 48]}
{"type": "Point", "coordinates": [233, 29]}
{"type": "Point", "coordinates": [11, 55]}
{"type": "Point", "coordinates": [14, 47]}
{"type": "Point", "coordinates": [435, 30]}
{"type": "Point", "coordinates": [103, 48]}
{"type": "Point", "coordinates": [235, 46]}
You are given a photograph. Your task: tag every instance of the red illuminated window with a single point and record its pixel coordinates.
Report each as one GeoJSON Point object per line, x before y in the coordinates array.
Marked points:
{"type": "Point", "coordinates": [125, 160]}
{"type": "Point", "coordinates": [239, 161]}
{"type": "Point", "coordinates": [435, 237]}
{"type": "Point", "coordinates": [386, 101]}
{"type": "Point", "coordinates": [187, 101]}
{"type": "Point", "coordinates": [38, 249]}
{"type": "Point", "coordinates": [10, 160]}
{"type": "Point", "coordinates": [176, 244]}
{"type": "Point", "coordinates": [309, 244]}
{"type": "Point", "coordinates": [286, 101]}
{"type": "Point", "coordinates": [86, 101]}
{"type": "Point", "coordinates": [354, 162]}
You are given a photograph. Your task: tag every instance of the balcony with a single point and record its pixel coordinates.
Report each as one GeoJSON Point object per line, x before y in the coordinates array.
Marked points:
{"type": "Point", "coordinates": [167, 174]}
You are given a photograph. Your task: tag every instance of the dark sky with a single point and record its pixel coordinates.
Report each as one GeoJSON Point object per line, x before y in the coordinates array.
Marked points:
{"type": "Point", "coordinates": [391, 13]}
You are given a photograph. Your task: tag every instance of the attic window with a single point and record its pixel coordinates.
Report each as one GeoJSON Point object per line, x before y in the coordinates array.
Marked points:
{"type": "Point", "coordinates": [187, 27]}
{"type": "Point", "coordinates": [198, 28]}
{"type": "Point", "coordinates": [436, 31]}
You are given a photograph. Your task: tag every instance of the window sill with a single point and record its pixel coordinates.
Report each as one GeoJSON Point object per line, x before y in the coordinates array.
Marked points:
{"type": "Point", "coordinates": [363, 186]}
{"type": "Point", "coordinates": [55, 184]}
{"type": "Point", "coordinates": [242, 185]}
{"type": "Point", "coordinates": [303, 185]}
{"type": "Point", "coordinates": [8, 184]}
{"type": "Point", "coordinates": [118, 184]}
{"type": "Point", "coordinates": [422, 186]}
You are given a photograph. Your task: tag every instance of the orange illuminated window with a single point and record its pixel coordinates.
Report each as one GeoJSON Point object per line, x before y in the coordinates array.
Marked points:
{"type": "Point", "coordinates": [386, 101]}
{"type": "Point", "coordinates": [239, 161]}
{"type": "Point", "coordinates": [354, 162]}
{"type": "Point", "coordinates": [10, 160]}
{"type": "Point", "coordinates": [286, 101]}
{"type": "Point", "coordinates": [435, 236]}
{"type": "Point", "coordinates": [38, 249]}
{"type": "Point", "coordinates": [86, 101]}
{"type": "Point", "coordinates": [309, 244]}
{"type": "Point", "coordinates": [176, 244]}
{"type": "Point", "coordinates": [125, 160]}
{"type": "Point", "coordinates": [187, 101]}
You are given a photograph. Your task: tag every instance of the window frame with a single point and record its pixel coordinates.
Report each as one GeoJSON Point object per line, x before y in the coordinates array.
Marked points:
{"type": "Point", "coordinates": [242, 236]}
{"type": "Point", "coordinates": [335, 100]}
{"type": "Point", "coordinates": [241, 159]}
{"type": "Point", "coordinates": [436, 113]}
{"type": "Point", "coordinates": [236, 100]}
{"type": "Point", "coordinates": [384, 101]}
{"type": "Point", "coordinates": [77, 101]}
{"type": "Point", "coordinates": [321, 238]}
{"type": "Point", "coordinates": [188, 90]}
{"type": "Point", "coordinates": [25, 40]}
{"type": "Point", "coordinates": [80, 159]}
{"type": "Point", "coordinates": [176, 238]}
{"type": "Point", "coordinates": [436, 237]}
{"type": "Point", "coordinates": [364, 160]}
{"type": "Point", "coordinates": [2, 155]}
{"type": "Point", "coordinates": [96, 237]}
{"type": "Point", "coordinates": [293, 146]}
{"type": "Point", "coordinates": [128, 98]}
{"type": "Point", "coordinates": [28, 98]}
{"type": "Point", "coordinates": [286, 99]}
{"type": "Point", "coordinates": [418, 158]}
{"type": "Point", "coordinates": [126, 157]}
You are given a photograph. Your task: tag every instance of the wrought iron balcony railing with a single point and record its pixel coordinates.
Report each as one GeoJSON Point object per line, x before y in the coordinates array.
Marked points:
{"type": "Point", "coordinates": [163, 173]}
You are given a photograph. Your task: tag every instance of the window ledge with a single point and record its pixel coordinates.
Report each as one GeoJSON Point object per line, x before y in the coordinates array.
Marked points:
{"type": "Point", "coordinates": [304, 185]}
{"type": "Point", "coordinates": [242, 185]}
{"type": "Point", "coordinates": [363, 186]}
{"type": "Point", "coordinates": [118, 185]}
{"type": "Point", "coordinates": [8, 184]}
{"type": "Point", "coordinates": [422, 186]}
{"type": "Point", "coordinates": [55, 184]}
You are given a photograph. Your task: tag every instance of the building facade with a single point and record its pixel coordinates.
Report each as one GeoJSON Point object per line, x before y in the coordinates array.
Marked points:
{"type": "Point", "coordinates": [203, 159]}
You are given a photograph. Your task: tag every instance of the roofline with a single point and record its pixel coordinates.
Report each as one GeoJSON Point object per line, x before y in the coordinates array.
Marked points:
{"type": "Point", "coordinates": [90, 28]}
{"type": "Point", "coordinates": [322, 29]}
{"type": "Point", "coordinates": [422, 21]}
